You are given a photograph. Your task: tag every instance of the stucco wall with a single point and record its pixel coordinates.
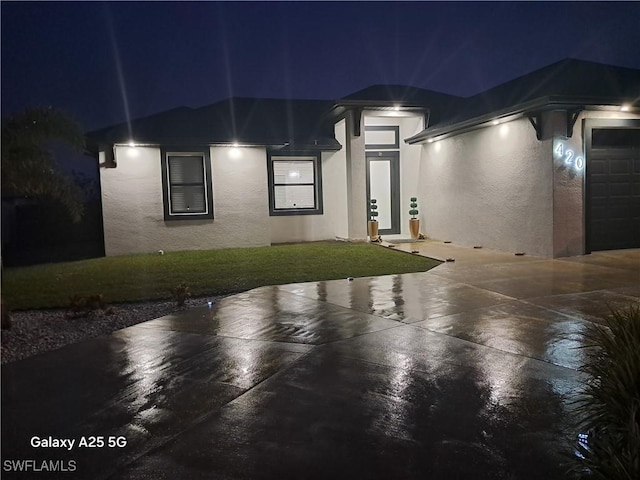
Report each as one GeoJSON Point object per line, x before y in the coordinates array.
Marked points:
{"type": "Point", "coordinates": [568, 189]}
{"type": "Point", "coordinates": [568, 208]}
{"type": "Point", "coordinates": [241, 197]}
{"type": "Point", "coordinates": [309, 228]}
{"type": "Point", "coordinates": [335, 170]}
{"type": "Point", "coordinates": [133, 210]}
{"type": "Point", "coordinates": [357, 207]}
{"type": "Point", "coordinates": [491, 187]}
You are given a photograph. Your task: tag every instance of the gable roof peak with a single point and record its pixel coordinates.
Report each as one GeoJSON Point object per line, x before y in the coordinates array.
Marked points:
{"type": "Point", "coordinates": [396, 92]}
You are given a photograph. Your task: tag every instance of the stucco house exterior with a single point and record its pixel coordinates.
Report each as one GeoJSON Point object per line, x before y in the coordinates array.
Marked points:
{"type": "Point", "coordinates": [547, 164]}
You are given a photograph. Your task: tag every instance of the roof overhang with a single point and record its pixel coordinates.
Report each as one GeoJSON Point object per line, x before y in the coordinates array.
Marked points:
{"type": "Point", "coordinates": [388, 108]}
{"type": "Point", "coordinates": [320, 144]}
{"type": "Point", "coordinates": [529, 109]}
{"type": "Point", "coordinates": [343, 106]}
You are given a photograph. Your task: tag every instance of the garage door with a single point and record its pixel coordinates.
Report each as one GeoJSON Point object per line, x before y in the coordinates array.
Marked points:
{"type": "Point", "coordinates": [612, 187]}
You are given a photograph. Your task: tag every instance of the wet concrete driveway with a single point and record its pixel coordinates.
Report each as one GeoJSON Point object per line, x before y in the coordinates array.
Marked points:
{"type": "Point", "coordinates": [463, 372]}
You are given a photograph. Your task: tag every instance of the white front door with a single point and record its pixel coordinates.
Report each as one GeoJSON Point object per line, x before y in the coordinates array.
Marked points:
{"type": "Point", "coordinates": [383, 184]}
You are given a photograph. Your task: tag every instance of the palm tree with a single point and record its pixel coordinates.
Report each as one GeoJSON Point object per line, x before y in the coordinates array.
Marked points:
{"type": "Point", "coordinates": [28, 169]}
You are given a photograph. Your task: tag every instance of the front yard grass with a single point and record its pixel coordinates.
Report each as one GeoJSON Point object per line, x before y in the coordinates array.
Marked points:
{"type": "Point", "coordinates": [211, 272]}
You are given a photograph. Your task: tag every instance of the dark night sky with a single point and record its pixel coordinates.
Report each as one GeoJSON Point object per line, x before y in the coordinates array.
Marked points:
{"type": "Point", "coordinates": [81, 57]}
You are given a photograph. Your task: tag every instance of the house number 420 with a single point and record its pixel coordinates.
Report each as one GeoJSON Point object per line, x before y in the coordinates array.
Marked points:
{"type": "Point", "coordinates": [568, 156]}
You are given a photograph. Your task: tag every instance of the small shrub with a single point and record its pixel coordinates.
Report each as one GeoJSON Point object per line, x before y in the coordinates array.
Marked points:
{"type": "Point", "coordinates": [373, 209]}
{"type": "Point", "coordinates": [414, 207]}
{"type": "Point", "coordinates": [609, 407]}
{"type": "Point", "coordinates": [82, 306]}
{"type": "Point", "coordinates": [180, 294]}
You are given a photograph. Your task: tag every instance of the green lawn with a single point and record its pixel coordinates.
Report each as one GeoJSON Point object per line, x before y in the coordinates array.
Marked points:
{"type": "Point", "coordinates": [211, 272]}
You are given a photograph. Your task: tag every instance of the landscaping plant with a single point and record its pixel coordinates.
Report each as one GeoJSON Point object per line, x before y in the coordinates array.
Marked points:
{"type": "Point", "coordinates": [83, 306]}
{"type": "Point", "coordinates": [609, 407]}
{"type": "Point", "coordinates": [414, 207]}
{"type": "Point", "coordinates": [180, 294]}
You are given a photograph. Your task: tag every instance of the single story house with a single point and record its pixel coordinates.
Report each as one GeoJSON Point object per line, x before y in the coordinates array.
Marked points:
{"type": "Point", "coordinates": [547, 164]}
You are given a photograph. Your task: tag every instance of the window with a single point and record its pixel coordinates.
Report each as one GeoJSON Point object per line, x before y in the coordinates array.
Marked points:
{"type": "Point", "coordinates": [615, 138]}
{"type": "Point", "coordinates": [382, 137]}
{"type": "Point", "coordinates": [186, 183]}
{"type": "Point", "coordinates": [295, 186]}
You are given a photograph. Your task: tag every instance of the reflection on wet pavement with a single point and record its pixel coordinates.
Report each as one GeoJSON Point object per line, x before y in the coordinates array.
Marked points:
{"type": "Point", "coordinates": [400, 376]}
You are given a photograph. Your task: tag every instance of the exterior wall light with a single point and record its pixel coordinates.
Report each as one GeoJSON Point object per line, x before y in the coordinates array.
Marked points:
{"type": "Point", "coordinates": [495, 122]}
{"type": "Point", "coordinates": [624, 108]}
{"type": "Point", "coordinates": [235, 152]}
{"type": "Point", "coordinates": [430, 140]}
{"type": "Point", "coordinates": [132, 151]}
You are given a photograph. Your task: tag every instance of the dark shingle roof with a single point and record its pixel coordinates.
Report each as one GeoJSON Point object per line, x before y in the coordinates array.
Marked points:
{"type": "Point", "coordinates": [570, 81]}
{"type": "Point", "coordinates": [309, 123]}
{"type": "Point", "coordinates": [436, 103]}
{"type": "Point", "coordinates": [247, 121]}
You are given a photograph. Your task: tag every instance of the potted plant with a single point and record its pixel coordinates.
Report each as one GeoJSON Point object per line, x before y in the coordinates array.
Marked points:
{"type": "Point", "coordinates": [414, 223]}
{"type": "Point", "coordinates": [373, 223]}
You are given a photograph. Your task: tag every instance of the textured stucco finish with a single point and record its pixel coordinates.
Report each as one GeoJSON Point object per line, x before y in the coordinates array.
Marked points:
{"type": "Point", "coordinates": [327, 226]}
{"type": "Point", "coordinates": [133, 210]}
{"type": "Point", "coordinates": [568, 190]}
{"type": "Point", "coordinates": [502, 188]}
{"type": "Point", "coordinates": [497, 186]}
{"type": "Point", "coordinates": [357, 207]}
{"type": "Point", "coordinates": [334, 222]}
{"type": "Point", "coordinates": [490, 187]}
{"type": "Point", "coordinates": [568, 185]}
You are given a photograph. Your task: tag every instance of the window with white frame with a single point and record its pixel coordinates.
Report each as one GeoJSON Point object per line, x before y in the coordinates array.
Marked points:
{"type": "Point", "coordinates": [295, 186]}
{"type": "Point", "coordinates": [186, 178]}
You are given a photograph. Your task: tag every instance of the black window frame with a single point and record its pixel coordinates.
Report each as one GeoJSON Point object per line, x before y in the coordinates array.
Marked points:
{"type": "Point", "coordinates": [275, 156]}
{"type": "Point", "coordinates": [202, 152]}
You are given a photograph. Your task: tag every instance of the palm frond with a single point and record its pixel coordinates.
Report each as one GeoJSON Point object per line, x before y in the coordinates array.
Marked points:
{"type": "Point", "coordinates": [609, 405]}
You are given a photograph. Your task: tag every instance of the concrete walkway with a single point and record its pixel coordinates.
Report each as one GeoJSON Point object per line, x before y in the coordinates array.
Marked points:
{"type": "Point", "coordinates": [463, 372]}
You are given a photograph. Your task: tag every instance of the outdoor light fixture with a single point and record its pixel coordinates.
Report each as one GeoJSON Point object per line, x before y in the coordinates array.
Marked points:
{"type": "Point", "coordinates": [235, 152]}
{"type": "Point", "coordinates": [624, 108]}
{"type": "Point", "coordinates": [132, 144]}
{"type": "Point", "coordinates": [430, 140]}
{"type": "Point", "coordinates": [495, 122]}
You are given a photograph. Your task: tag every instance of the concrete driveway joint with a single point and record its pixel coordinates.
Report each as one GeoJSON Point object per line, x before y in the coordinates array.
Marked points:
{"type": "Point", "coordinates": [465, 371]}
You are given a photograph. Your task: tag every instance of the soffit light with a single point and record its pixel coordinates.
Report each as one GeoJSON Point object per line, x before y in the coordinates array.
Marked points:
{"type": "Point", "coordinates": [624, 108]}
